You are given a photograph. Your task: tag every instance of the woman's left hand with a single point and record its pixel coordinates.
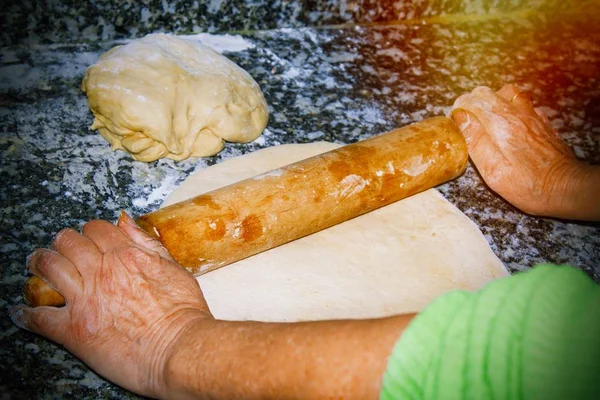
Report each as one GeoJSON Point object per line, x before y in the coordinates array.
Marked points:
{"type": "Point", "coordinates": [127, 301]}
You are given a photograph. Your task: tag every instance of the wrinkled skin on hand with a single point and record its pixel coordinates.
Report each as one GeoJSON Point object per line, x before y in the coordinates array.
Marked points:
{"type": "Point", "coordinates": [127, 301]}
{"type": "Point", "coordinates": [516, 150]}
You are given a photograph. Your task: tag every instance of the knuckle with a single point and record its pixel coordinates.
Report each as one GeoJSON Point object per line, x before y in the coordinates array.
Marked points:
{"type": "Point", "coordinates": [508, 90]}
{"type": "Point", "coordinates": [149, 242]}
{"type": "Point", "coordinates": [472, 141]}
{"type": "Point", "coordinates": [43, 261]}
{"type": "Point", "coordinates": [85, 327]}
{"type": "Point", "coordinates": [134, 255]}
{"type": "Point", "coordinates": [483, 91]}
{"type": "Point", "coordinates": [32, 259]}
{"type": "Point", "coordinates": [63, 236]}
{"type": "Point", "coordinates": [156, 246]}
{"type": "Point", "coordinates": [93, 225]}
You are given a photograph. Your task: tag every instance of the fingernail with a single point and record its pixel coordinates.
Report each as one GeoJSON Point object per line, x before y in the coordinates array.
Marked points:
{"type": "Point", "coordinates": [17, 316]}
{"type": "Point", "coordinates": [28, 260]}
{"type": "Point", "coordinates": [127, 219]}
{"type": "Point", "coordinates": [56, 238]}
{"type": "Point", "coordinates": [30, 257]}
{"type": "Point", "coordinates": [461, 118]}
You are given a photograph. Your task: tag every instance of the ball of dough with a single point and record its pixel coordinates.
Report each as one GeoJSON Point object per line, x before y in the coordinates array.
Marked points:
{"type": "Point", "coordinates": [162, 96]}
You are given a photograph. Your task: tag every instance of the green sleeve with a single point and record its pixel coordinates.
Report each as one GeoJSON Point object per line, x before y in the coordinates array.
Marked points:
{"type": "Point", "coordinates": [535, 335]}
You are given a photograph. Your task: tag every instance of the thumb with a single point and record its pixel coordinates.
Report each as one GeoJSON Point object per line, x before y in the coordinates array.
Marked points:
{"type": "Point", "coordinates": [482, 149]}
{"type": "Point", "coordinates": [462, 118]}
{"type": "Point", "coordinates": [140, 237]}
{"type": "Point", "coordinates": [473, 130]}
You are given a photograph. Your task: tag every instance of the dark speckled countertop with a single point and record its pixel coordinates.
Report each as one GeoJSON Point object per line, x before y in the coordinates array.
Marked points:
{"type": "Point", "coordinates": [340, 85]}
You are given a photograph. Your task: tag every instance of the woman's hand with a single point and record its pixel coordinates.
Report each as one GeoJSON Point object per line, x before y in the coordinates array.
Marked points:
{"type": "Point", "coordinates": [519, 155]}
{"type": "Point", "coordinates": [140, 320]}
{"type": "Point", "coordinates": [127, 302]}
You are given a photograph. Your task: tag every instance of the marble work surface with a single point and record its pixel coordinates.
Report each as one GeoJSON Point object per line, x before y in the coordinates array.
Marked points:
{"type": "Point", "coordinates": [65, 21]}
{"type": "Point", "coordinates": [340, 85]}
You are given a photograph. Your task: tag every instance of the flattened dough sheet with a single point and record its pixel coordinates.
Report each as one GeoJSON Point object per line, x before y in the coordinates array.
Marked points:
{"type": "Point", "coordinates": [392, 260]}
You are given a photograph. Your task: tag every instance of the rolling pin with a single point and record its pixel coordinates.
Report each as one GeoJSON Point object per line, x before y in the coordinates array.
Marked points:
{"type": "Point", "coordinates": [237, 221]}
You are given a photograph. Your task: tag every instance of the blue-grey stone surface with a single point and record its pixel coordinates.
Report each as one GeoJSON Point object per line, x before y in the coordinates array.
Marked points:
{"type": "Point", "coordinates": [66, 21]}
{"type": "Point", "coordinates": [340, 85]}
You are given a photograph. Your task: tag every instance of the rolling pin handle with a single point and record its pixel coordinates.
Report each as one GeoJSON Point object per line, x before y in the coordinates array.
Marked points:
{"type": "Point", "coordinates": [37, 293]}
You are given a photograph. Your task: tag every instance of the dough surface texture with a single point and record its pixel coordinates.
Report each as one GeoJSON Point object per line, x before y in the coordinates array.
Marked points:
{"type": "Point", "coordinates": [392, 260]}
{"type": "Point", "coordinates": [162, 96]}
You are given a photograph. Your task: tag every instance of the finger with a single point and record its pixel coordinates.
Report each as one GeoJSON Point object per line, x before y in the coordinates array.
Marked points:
{"type": "Point", "coordinates": [140, 237]}
{"type": "Point", "coordinates": [508, 92]}
{"type": "Point", "coordinates": [50, 322]}
{"type": "Point", "coordinates": [78, 249]}
{"type": "Point", "coordinates": [530, 124]}
{"type": "Point", "coordinates": [57, 271]}
{"type": "Point", "coordinates": [516, 97]}
{"type": "Point", "coordinates": [105, 235]}
{"type": "Point", "coordinates": [523, 102]}
{"type": "Point", "coordinates": [519, 101]}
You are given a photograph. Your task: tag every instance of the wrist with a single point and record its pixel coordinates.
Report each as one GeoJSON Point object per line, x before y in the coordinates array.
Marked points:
{"type": "Point", "coordinates": [173, 369]}
{"type": "Point", "coordinates": [576, 193]}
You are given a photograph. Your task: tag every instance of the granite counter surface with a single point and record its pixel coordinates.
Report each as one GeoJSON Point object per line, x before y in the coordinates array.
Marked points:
{"type": "Point", "coordinates": [59, 21]}
{"type": "Point", "coordinates": [339, 85]}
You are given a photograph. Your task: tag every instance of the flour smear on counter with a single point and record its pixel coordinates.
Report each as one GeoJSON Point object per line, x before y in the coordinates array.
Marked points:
{"type": "Point", "coordinates": [65, 64]}
{"type": "Point", "coordinates": [221, 43]}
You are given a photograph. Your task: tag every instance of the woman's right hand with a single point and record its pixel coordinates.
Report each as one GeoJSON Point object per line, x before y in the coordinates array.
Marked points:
{"type": "Point", "coordinates": [521, 157]}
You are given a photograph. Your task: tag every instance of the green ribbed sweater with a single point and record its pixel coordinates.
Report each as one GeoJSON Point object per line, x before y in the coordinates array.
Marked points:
{"type": "Point", "coordinates": [534, 335]}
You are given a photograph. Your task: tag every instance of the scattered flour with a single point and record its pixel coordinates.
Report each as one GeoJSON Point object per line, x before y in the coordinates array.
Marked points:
{"type": "Point", "coordinates": [221, 43]}
{"type": "Point", "coordinates": [91, 380]}
{"type": "Point", "coordinates": [37, 74]}
{"type": "Point", "coordinates": [351, 185]}
{"type": "Point", "coordinates": [417, 166]}
{"type": "Point", "coordinates": [260, 140]}
{"type": "Point", "coordinates": [271, 174]}
{"type": "Point", "coordinates": [396, 54]}
{"type": "Point", "coordinates": [158, 193]}
{"type": "Point", "coordinates": [368, 114]}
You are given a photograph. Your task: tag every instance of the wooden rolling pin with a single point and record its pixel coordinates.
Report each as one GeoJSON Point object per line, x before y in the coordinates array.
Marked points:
{"type": "Point", "coordinates": [234, 222]}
